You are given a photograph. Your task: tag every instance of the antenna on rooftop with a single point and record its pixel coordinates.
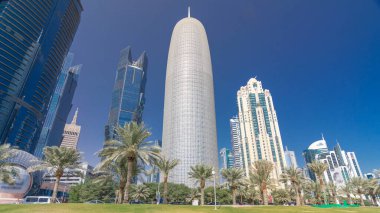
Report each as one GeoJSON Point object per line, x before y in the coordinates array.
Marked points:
{"type": "Point", "coordinates": [188, 12]}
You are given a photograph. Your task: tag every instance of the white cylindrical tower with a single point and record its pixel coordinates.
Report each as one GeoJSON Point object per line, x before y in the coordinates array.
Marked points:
{"type": "Point", "coordinates": [189, 129]}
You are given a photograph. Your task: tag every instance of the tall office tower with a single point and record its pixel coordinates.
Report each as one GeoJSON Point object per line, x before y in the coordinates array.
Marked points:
{"type": "Point", "coordinates": [189, 127]}
{"type": "Point", "coordinates": [353, 164]}
{"type": "Point", "coordinates": [35, 37]}
{"type": "Point", "coordinates": [128, 95]}
{"type": "Point", "coordinates": [71, 133]}
{"type": "Point", "coordinates": [260, 134]}
{"type": "Point", "coordinates": [342, 166]}
{"type": "Point", "coordinates": [226, 158]}
{"type": "Point", "coordinates": [59, 107]}
{"type": "Point", "coordinates": [290, 158]}
{"type": "Point", "coordinates": [236, 142]}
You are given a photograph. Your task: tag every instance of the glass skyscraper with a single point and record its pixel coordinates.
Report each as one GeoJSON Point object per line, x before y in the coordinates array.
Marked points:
{"type": "Point", "coordinates": [128, 95]}
{"type": "Point", "coordinates": [59, 107]}
{"type": "Point", "coordinates": [35, 37]}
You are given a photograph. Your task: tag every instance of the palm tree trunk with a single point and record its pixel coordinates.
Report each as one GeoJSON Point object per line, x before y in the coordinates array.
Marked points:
{"type": "Point", "coordinates": [322, 188]}
{"type": "Point", "coordinates": [301, 196]}
{"type": "Point", "coordinates": [55, 190]}
{"type": "Point", "coordinates": [202, 196]}
{"type": "Point", "coordinates": [374, 200]}
{"type": "Point", "coordinates": [298, 203]}
{"type": "Point", "coordinates": [361, 200]}
{"type": "Point", "coordinates": [233, 197]}
{"type": "Point", "coordinates": [265, 195]}
{"type": "Point", "coordinates": [241, 199]}
{"type": "Point", "coordinates": [165, 189]}
{"type": "Point", "coordinates": [121, 193]}
{"type": "Point", "coordinates": [129, 178]}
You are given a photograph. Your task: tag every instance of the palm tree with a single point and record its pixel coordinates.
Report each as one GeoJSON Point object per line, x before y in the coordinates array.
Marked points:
{"type": "Point", "coordinates": [261, 176]}
{"type": "Point", "coordinates": [373, 189]}
{"type": "Point", "coordinates": [332, 190]}
{"type": "Point", "coordinates": [295, 178]}
{"type": "Point", "coordinates": [57, 160]}
{"type": "Point", "coordinates": [347, 190]}
{"type": "Point", "coordinates": [318, 168]}
{"type": "Point", "coordinates": [140, 191]}
{"type": "Point", "coordinates": [7, 173]}
{"type": "Point", "coordinates": [360, 187]}
{"type": "Point", "coordinates": [234, 177]}
{"type": "Point", "coordinates": [116, 171]}
{"type": "Point", "coordinates": [201, 173]}
{"type": "Point", "coordinates": [165, 166]}
{"type": "Point", "coordinates": [131, 147]}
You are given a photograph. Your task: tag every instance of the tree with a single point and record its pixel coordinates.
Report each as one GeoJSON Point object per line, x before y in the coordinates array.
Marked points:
{"type": "Point", "coordinates": [332, 191]}
{"type": "Point", "coordinates": [312, 191]}
{"type": "Point", "coordinates": [139, 192]}
{"type": "Point", "coordinates": [261, 176]}
{"type": "Point", "coordinates": [359, 186]}
{"type": "Point", "coordinates": [57, 160]}
{"type": "Point", "coordinates": [116, 171]}
{"type": "Point", "coordinates": [281, 196]}
{"type": "Point", "coordinates": [201, 173]}
{"type": "Point", "coordinates": [165, 166]}
{"type": "Point", "coordinates": [234, 177]}
{"type": "Point", "coordinates": [7, 173]}
{"type": "Point", "coordinates": [318, 168]}
{"type": "Point", "coordinates": [92, 190]}
{"type": "Point", "coordinates": [347, 190]}
{"type": "Point", "coordinates": [131, 147]}
{"type": "Point", "coordinates": [295, 178]}
{"type": "Point", "coordinates": [373, 189]}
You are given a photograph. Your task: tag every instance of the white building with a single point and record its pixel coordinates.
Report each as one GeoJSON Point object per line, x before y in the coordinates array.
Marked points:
{"type": "Point", "coordinates": [70, 176]}
{"type": "Point", "coordinates": [290, 158]}
{"type": "Point", "coordinates": [236, 142]}
{"type": "Point", "coordinates": [71, 133]}
{"type": "Point", "coordinates": [260, 133]}
{"type": "Point", "coordinates": [189, 127]}
{"type": "Point", "coordinates": [342, 166]}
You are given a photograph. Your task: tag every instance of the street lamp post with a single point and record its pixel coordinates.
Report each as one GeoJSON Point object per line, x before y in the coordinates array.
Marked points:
{"type": "Point", "coordinates": [213, 173]}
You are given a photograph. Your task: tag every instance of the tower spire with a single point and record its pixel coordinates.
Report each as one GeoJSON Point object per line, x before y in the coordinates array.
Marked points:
{"type": "Point", "coordinates": [188, 12]}
{"type": "Point", "coordinates": [74, 121]}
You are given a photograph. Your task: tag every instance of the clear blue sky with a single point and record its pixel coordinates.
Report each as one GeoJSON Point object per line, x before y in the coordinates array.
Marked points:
{"type": "Point", "coordinates": [319, 59]}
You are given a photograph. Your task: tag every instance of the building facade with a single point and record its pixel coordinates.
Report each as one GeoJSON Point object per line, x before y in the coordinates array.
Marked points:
{"type": "Point", "coordinates": [189, 127]}
{"type": "Point", "coordinates": [290, 158]}
{"type": "Point", "coordinates": [59, 107]}
{"type": "Point", "coordinates": [71, 133]}
{"type": "Point", "coordinates": [342, 166]}
{"type": "Point", "coordinates": [128, 95]}
{"type": "Point", "coordinates": [236, 142]}
{"type": "Point", "coordinates": [35, 38]}
{"type": "Point", "coordinates": [227, 159]}
{"type": "Point", "coordinates": [260, 132]}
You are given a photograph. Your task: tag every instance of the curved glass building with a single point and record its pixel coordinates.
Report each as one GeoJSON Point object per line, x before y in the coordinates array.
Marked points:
{"type": "Point", "coordinates": [189, 127]}
{"type": "Point", "coordinates": [35, 37]}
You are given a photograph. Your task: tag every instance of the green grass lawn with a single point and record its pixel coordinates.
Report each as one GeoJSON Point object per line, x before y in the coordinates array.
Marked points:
{"type": "Point", "coordinates": [105, 208]}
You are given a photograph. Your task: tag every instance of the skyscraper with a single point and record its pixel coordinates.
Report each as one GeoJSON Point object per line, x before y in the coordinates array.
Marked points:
{"type": "Point", "coordinates": [59, 107]}
{"type": "Point", "coordinates": [227, 158]}
{"type": "Point", "coordinates": [236, 142]}
{"type": "Point", "coordinates": [290, 158]}
{"type": "Point", "coordinates": [71, 133]}
{"type": "Point", "coordinates": [342, 166]}
{"type": "Point", "coordinates": [35, 38]}
{"type": "Point", "coordinates": [128, 95]}
{"type": "Point", "coordinates": [260, 133]}
{"type": "Point", "coordinates": [189, 127]}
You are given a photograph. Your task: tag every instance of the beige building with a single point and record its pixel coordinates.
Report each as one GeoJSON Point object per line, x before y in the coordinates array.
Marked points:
{"type": "Point", "coordinates": [260, 134]}
{"type": "Point", "coordinates": [71, 133]}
